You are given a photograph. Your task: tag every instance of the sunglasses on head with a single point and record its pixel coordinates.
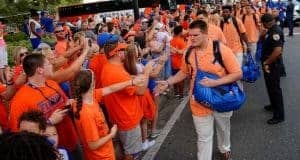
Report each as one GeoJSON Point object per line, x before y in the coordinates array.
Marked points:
{"type": "Point", "coordinates": [23, 54]}
{"type": "Point", "coordinates": [58, 31]}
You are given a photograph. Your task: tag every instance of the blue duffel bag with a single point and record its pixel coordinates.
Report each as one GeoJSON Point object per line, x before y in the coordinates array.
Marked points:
{"type": "Point", "coordinates": [222, 98]}
{"type": "Point", "coordinates": [250, 69]}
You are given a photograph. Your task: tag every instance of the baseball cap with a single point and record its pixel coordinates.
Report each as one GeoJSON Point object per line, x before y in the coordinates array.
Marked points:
{"type": "Point", "coordinates": [106, 37]}
{"type": "Point", "coordinates": [119, 47]}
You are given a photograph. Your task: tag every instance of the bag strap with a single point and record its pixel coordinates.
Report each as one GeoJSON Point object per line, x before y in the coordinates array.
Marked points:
{"type": "Point", "coordinates": [217, 53]}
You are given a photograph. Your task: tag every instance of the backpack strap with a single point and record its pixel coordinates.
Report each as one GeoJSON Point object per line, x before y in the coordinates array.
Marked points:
{"type": "Point", "coordinates": [253, 16]}
{"type": "Point", "coordinates": [234, 21]}
{"type": "Point", "coordinates": [217, 53]}
{"type": "Point", "coordinates": [222, 25]}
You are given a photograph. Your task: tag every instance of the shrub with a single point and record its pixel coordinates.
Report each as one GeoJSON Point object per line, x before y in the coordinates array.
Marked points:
{"type": "Point", "coordinates": [13, 37]}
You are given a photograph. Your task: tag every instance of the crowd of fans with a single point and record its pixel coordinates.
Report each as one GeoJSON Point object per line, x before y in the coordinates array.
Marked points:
{"type": "Point", "coordinates": [71, 99]}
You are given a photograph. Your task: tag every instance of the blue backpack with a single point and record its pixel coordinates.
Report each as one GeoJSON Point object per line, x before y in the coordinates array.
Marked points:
{"type": "Point", "coordinates": [222, 98]}
{"type": "Point", "coordinates": [250, 70]}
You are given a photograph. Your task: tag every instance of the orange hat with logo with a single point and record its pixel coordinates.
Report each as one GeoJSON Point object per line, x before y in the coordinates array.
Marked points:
{"type": "Point", "coordinates": [119, 47]}
{"type": "Point", "coordinates": [130, 33]}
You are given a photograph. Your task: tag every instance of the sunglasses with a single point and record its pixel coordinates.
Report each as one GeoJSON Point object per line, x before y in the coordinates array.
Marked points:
{"type": "Point", "coordinates": [23, 54]}
{"type": "Point", "coordinates": [59, 31]}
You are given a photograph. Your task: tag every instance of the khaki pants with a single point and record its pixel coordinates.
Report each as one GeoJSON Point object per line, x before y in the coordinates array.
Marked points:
{"type": "Point", "coordinates": [205, 129]}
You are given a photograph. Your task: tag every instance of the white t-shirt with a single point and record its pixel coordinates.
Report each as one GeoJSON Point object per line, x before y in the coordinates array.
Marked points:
{"type": "Point", "coordinates": [37, 28]}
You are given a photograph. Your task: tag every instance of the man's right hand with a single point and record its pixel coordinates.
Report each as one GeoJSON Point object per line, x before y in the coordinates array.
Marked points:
{"type": "Point", "coordinates": [57, 116]}
{"type": "Point", "coordinates": [160, 87]}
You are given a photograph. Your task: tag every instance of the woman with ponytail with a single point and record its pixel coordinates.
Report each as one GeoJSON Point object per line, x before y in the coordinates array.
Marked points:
{"type": "Point", "coordinates": [89, 119]}
{"type": "Point", "coordinates": [134, 68]}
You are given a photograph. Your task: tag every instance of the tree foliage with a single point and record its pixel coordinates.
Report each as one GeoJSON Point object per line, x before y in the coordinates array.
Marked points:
{"type": "Point", "coordinates": [9, 8]}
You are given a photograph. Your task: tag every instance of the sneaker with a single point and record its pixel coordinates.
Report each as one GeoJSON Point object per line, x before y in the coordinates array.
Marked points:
{"type": "Point", "coordinates": [147, 144]}
{"type": "Point", "coordinates": [155, 134]}
{"type": "Point", "coordinates": [273, 121]}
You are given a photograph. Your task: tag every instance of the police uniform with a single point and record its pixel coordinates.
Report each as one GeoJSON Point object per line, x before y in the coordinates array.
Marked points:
{"type": "Point", "coordinates": [274, 38]}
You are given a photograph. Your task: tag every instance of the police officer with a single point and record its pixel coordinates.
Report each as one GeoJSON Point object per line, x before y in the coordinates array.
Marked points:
{"type": "Point", "coordinates": [271, 57]}
{"type": "Point", "coordinates": [289, 16]}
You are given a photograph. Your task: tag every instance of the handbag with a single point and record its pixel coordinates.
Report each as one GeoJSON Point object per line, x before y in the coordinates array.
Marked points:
{"type": "Point", "coordinates": [223, 98]}
{"type": "Point", "coordinates": [250, 69]}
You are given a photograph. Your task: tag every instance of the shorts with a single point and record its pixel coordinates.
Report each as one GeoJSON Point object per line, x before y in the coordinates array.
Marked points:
{"type": "Point", "coordinates": [3, 57]}
{"type": "Point", "coordinates": [35, 42]}
{"type": "Point", "coordinates": [131, 140]}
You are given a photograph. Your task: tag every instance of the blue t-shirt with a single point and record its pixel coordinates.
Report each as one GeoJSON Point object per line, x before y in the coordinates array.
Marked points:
{"type": "Point", "coordinates": [48, 24]}
{"type": "Point", "coordinates": [151, 83]}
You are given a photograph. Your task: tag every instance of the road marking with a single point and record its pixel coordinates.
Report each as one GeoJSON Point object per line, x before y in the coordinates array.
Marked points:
{"type": "Point", "coordinates": [151, 153]}
{"type": "Point", "coordinates": [294, 34]}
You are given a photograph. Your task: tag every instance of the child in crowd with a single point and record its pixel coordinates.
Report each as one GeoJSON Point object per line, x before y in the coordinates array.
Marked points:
{"type": "Point", "coordinates": [52, 136]}
{"type": "Point", "coordinates": [89, 119]}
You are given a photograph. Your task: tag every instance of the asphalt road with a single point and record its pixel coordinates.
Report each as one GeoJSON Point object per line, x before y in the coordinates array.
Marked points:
{"type": "Point", "coordinates": [251, 137]}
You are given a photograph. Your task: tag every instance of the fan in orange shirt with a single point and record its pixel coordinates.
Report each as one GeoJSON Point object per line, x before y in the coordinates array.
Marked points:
{"type": "Point", "coordinates": [235, 33]}
{"type": "Point", "coordinates": [123, 107]}
{"type": "Point", "coordinates": [134, 68]}
{"type": "Point", "coordinates": [45, 95]}
{"type": "Point", "coordinates": [203, 116]}
{"type": "Point", "coordinates": [178, 46]}
{"type": "Point", "coordinates": [6, 93]}
{"type": "Point", "coordinates": [251, 23]}
{"type": "Point", "coordinates": [214, 32]}
{"type": "Point", "coordinates": [89, 119]}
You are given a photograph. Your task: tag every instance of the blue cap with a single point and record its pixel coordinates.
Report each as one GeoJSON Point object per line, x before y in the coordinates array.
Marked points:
{"type": "Point", "coordinates": [105, 37]}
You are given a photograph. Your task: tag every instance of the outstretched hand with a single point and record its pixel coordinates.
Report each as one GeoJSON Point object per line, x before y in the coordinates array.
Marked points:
{"type": "Point", "coordinates": [160, 87]}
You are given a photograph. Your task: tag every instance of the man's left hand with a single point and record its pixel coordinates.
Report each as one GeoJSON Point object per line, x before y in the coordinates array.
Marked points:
{"type": "Point", "coordinates": [207, 82]}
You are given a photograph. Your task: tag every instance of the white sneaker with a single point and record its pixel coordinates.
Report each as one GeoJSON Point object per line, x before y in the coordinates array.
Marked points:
{"type": "Point", "coordinates": [147, 144]}
{"type": "Point", "coordinates": [151, 143]}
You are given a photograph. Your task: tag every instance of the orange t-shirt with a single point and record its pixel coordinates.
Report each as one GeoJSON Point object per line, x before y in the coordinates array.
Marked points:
{"type": "Point", "coordinates": [215, 33]}
{"type": "Point", "coordinates": [251, 28]}
{"type": "Point", "coordinates": [17, 72]}
{"type": "Point", "coordinates": [147, 11]}
{"type": "Point", "coordinates": [123, 107]}
{"type": "Point", "coordinates": [205, 60]}
{"type": "Point", "coordinates": [178, 43]}
{"type": "Point", "coordinates": [148, 105]}
{"type": "Point", "coordinates": [3, 111]}
{"type": "Point", "coordinates": [232, 36]}
{"type": "Point", "coordinates": [182, 7]}
{"type": "Point", "coordinates": [61, 47]}
{"type": "Point", "coordinates": [96, 65]}
{"type": "Point", "coordinates": [92, 126]}
{"type": "Point", "coordinates": [28, 98]}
